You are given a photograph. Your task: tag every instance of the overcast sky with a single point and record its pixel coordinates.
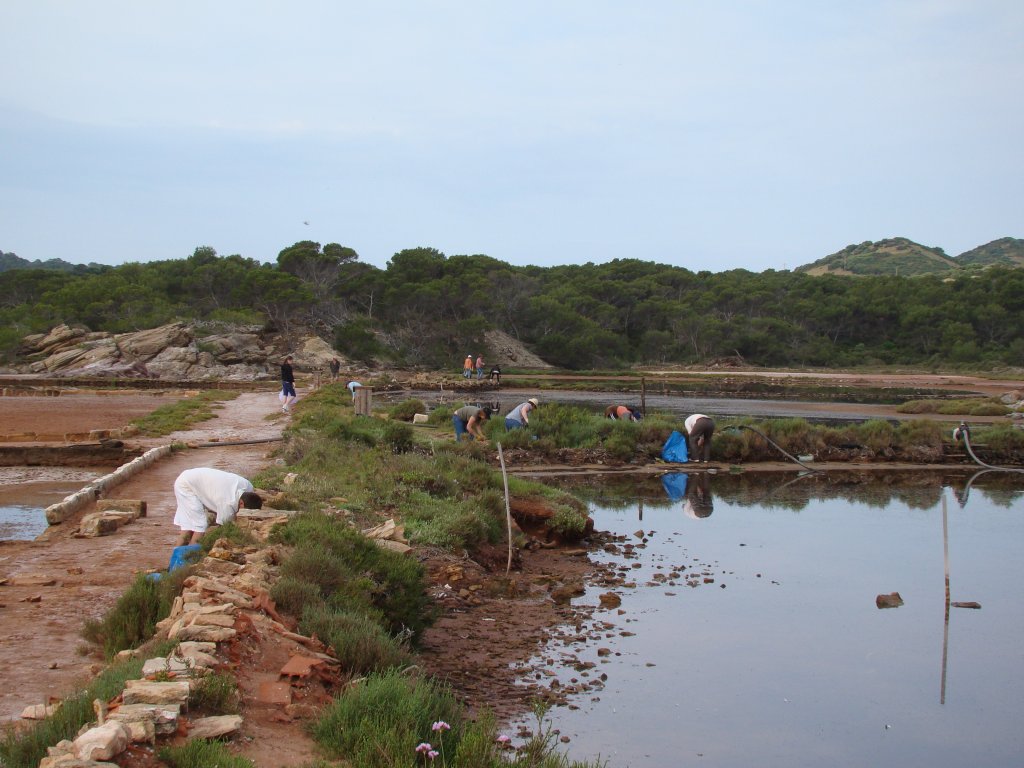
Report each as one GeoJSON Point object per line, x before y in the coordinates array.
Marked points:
{"type": "Point", "coordinates": [708, 134]}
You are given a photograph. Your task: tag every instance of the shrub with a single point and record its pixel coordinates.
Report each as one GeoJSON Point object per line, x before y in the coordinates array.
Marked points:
{"type": "Point", "coordinates": [1002, 438]}
{"type": "Point", "coordinates": [405, 410]}
{"type": "Point", "coordinates": [876, 434]}
{"type": "Point", "coordinates": [397, 437]}
{"type": "Point", "coordinates": [361, 644]}
{"type": "Point", "coordinates": [214, 693]}
{"type": "Point", "coordinates": [133, 618]}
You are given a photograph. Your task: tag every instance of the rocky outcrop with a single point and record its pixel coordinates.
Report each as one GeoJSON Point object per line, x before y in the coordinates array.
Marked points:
{"type": "Point", "coordinates": [176, 351]}
{"type": "Point", "coordinates": [511, 353]}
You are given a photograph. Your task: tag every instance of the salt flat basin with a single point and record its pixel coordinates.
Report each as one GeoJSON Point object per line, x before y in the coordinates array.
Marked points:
{"type": "Point", "coordinates": [779, 654]}
{"type": "Point", "coordinates": [26, 491]}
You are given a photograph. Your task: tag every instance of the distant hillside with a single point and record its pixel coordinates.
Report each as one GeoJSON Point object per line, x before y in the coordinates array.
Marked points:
{"type": "Point", "coordinates": [1006, 251]}
{"type": "Point", "coordinates": [895, 256]}
{"type": "Point", "coordinates": [10, 261]}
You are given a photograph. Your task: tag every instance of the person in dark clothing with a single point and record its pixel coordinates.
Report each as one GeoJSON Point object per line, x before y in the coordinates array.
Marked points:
{"type": "Point", "coordinates": [699, 429]}
{"type": "Point", "coordinates": [495, 373]}
{"type": "Point", "coordinates": [287, 385]}
{"type": "Point", "coordinates": [335, 366]}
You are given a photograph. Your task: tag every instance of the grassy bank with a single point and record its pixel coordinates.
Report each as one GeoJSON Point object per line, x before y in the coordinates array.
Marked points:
{"type": "Point", "coordinates": [173, 417]}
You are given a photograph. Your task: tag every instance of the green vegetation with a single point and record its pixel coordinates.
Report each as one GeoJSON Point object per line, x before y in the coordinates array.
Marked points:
{"type": "Point", "coordinates": [215, 693]}
{"type": "Point", "coordinates": [182, 414]}
{"type": "Point", "coordinates": [973, 407]}
{"type": "Point", "coordinates": [199, 753]}
{"type": "Point", "coordinates": [579, 317]}
{"type": "Point", "coordinates": [134, 616]}
{"type": "Point", "coordinates": [393, 720]}
{"type": "Point", "coordinates": [25, 747]}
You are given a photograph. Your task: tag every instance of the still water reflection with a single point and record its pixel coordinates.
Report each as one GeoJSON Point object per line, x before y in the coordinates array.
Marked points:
{"type": "Point", "coordinates": [784, 658]}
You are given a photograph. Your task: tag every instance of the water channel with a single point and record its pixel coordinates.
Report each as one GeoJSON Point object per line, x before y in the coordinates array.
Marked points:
{"type": "Point", "coordinates": [26, 491]}
{"type": "Point", "coordinates": [749, 634]}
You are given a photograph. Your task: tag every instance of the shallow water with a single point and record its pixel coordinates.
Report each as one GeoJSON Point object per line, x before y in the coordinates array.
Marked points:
{"type": "Point", "coordinates": [785, 659]}
{"type": "Point", "coordinates": [25, 492]}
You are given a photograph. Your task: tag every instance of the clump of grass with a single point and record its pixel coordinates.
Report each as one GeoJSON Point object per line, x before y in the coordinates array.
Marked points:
{"type": "Point", "coordinates": [876, 434]}
{"type": "Point", "coordinates": [215, 693]}
{"type": "Point", "coordinates": [134, 616]}
{"type": "Point", "coordinates": [405, 410]}
{"type": "Point", "coordinates": [230, 531]}
{"type": "Point", "coordinates": [380, 722]}
{"type": "Point", "coordinates": [1004, 439]}
{"type": "Point", "coordinates": [187, 411]}
{"type": "Point", "coordinates": [397, 437]}
{"type": "Point", "coordinates": [200, 753]}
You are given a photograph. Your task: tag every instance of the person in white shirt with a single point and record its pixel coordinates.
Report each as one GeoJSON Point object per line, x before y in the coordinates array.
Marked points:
{"type": "Point", "coordinates": [204, 488]}
{"type": "Point", "coordinates": [699, 429]}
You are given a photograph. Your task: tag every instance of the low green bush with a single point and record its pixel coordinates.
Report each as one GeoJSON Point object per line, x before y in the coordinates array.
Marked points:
{"type": "Point", "coordinates": [134, 616]}
{"type": "Point", "coordinates": [215, 693]}
{"type": "Point", "coordinates": [361, 643]}
{"type": "Point", "coordinates": [397, 437]}
{"type": "Point", "coordinates": [405, 410]}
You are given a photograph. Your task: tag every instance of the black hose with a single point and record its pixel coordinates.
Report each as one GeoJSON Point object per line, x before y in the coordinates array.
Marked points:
{"type": "Point", "coordinates": [963, 432]}
{"type": "Point", "coordinates": [777, 447]}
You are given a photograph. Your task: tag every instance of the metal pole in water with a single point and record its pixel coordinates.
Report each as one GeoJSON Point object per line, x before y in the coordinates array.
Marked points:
{"type": "Point", "coordinates": [945, 630]}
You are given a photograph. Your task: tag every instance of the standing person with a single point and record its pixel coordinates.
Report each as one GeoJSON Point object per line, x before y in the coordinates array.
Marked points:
{"type": "Point", "coordinates": [335, 366]}
{"type": "Point", "coordinates": [204, 488]}
{"type": "Point", "coordinates": [620, 413]}
{"type": "Point", "coordinates": [468, 420]}
{"type": "Point", "coordinates": [288, 385]}
{"type": "Point", "coordinates": [519, 416]}
{"type": "Point", "coordinates": [699, 429]}
{"type": "Point", "coordinates": [479, 367]}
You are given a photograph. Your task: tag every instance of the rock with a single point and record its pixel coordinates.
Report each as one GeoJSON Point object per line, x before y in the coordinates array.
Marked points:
{"type": "Point", "coordinates": [892, 600]}
{"type": "Point", "coordinates": [99, 524]}
{"type": "Point", "coordinates": [214, 727]}
{"type": "Point", "coordinates": [103, 742]}
{"type": "Point", "coordinates": [207, 633]}
{"type": "Point", "coordinates": [146, 344]}
{"type": "Point", "coordinates": [164, 717]}
{"type": "Point", "coordinates": [148, 692]}
{"type": "Point", "coordinates": [565, 592]}
{"type": "Point", "coordinates": [273, 692]}
{"type": "Point", "coordinates": [136, 507]}
{"type": "Point", "coordinates": [968, 604]}
{"type": "Point", "coordinates": [610, 600]}
{"type": "Point", "coordinates": [38, 711]}
{"type": "Point", "coordinates": [32, 580]}
{"type": "Point", "coordinates": [170, 665]}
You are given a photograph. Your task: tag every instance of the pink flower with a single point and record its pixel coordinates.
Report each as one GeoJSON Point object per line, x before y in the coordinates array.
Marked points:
{"type": "Point", "coordinates": [424, 747]}
{"type": "Point", "coordinates": [503, 739]}
{"type": "Point", "coordinates": [433, 753]}
{"type": "Point", "coordinates": [440, 725]}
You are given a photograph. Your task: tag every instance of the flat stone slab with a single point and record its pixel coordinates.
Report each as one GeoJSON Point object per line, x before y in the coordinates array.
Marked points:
{"type": "Point", "coordinates": [214, 727]}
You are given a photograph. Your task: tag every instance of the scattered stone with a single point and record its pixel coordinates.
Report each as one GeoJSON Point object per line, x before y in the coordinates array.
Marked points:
{"type": "Point", "coordinates": [300, 666]}
{"type": "Point", "coordinates": [103, 742]}
{"type": "Point", "coordinates": [31, 580]}
{"type": "Point", "coordinates": [968, 604]}
{"type": "Point", "coordinates": [38, 711]}
{"type": "Point", "coordinates": [149, 692]}
{"type": "Point", "coordinates": [610, 600]}
{"type": "Point", "coordinates": [214, 727]}
{"type": "Point", "coordinates": [163, 716]}
{"type": "Point", "coordinates": [136, 507]}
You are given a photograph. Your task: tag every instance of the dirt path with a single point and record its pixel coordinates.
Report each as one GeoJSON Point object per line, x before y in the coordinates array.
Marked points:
{"type": "Point", "coordinates": [39, 638]}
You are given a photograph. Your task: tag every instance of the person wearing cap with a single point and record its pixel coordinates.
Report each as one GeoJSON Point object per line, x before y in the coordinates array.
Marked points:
{"type": "Point", "coordinates": [699, 429]}
{"type": "Point", "coordinates": [468, 420]}
{"type": "Point", "coordinates": [519, 416]}
{"type": "Point", "coordinates": [467, 366]}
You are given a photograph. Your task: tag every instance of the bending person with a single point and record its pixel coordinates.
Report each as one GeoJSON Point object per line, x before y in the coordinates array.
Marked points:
{"type": "Point", "coordinates": [621, 413]}
{"type": "Point", "coordinates": [519, 416]}
{"type": "Point", "coordinates": [204, 488]}
{"type": "Point", "coordinates": [699, 429]}
{"type": "Point", "coordinates": [469, 419]}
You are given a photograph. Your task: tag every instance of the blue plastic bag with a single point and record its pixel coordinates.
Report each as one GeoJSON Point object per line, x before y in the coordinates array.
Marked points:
{"type": "Point", "coordinates": [674, 484]}
{"type": "Point", "coordinates": [675, 449]}
{"type": "Point", "coordinates": [184, 555]}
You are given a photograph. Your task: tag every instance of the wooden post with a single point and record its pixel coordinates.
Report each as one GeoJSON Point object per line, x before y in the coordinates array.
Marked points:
{"type": "Point", "coordinates": [643, 396]}
{"type": "Point", "coordinates": [364, 401]}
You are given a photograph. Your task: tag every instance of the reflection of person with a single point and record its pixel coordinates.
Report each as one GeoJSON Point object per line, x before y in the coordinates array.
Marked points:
{"type": "Point", "coordinates": [699, 429]}
{"type": "Point", "coordinates": [335, 368]}
{"type": "Point", "coordinates": [467, 366]}
{"type": "Point", "coordinates": [479, 367]}
{"type": "Point", "coordinates": [204, 488]}
{"type": "Point", "coordinates": [288, 385]}
{"type": "Point", "coordinates": [352, 386]}
{"type": "Point", "coordinates": [699, 502]}
{"type": "Point", "coordinates": [519, 416]}
{"type": "Point", "coordinates": [621, 413]}
{"type": "Point", "coordinates": [469, 419]}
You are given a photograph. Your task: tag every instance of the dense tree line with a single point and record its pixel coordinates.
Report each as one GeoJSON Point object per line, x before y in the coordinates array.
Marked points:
{"type": "Point", "coordinates": [428, 308]}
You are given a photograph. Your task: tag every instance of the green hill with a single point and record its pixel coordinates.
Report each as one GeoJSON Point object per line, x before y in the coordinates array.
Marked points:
{"type": "Point", "coordinates": [1006, 251]}
{"type": "Point", "coordinates": [894, 256]}
{"type": "Point", "coordinates": [9, 261]}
